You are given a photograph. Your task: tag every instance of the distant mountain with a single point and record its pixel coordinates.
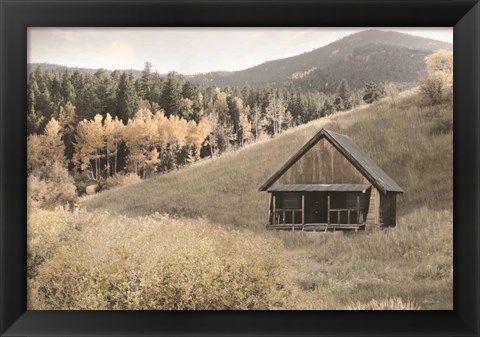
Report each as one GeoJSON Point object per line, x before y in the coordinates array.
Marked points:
{"type": "Point", "coordinates": [56, 68]}
{"type": "Point", "coordinates": [368, 55]}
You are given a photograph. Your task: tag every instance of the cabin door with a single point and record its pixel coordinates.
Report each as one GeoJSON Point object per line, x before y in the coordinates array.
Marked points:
{"type": "Point", "coordinates": [316, 204]}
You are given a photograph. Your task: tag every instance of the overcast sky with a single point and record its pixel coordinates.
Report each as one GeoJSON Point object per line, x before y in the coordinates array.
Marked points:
{"type": "Point", "coordinates": [186, 50]}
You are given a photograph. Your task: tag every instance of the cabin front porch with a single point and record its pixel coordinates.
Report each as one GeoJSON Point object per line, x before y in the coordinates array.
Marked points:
{"type": "Point", "coordinates": [318, 207]}
{"type": "Point", "coordinates": [317, 227]}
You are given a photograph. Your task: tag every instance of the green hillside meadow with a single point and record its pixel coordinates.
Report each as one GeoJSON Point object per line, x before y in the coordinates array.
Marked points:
{"type": "Point", "coordinates": [204, 227]}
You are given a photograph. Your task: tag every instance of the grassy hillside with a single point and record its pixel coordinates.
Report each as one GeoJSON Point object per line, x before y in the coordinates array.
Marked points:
{"type": "Point", "coordinates": [212, 251]}
{"type": "Point", "coordinates": [404, 141]}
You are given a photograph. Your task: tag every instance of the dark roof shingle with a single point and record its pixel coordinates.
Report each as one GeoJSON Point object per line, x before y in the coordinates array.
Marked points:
{"type": "Point", "coordinates": [319, 188]}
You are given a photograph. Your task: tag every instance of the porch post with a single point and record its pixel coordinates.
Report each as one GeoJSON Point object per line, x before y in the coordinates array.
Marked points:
{"type": "Point", "coordinates": [328, 209]}
{"type": "Point", "coordinates": [269, 208]}
{"type": "Point", "coordinates": [274, 211]}
{"type": "Point", "coordinates": [358, 209]}
{"type": "Point", "coordinates": [303, 208]}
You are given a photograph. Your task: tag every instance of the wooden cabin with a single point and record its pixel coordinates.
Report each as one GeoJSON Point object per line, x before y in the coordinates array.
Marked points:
{"type": "Point", "coordinates": [331, 184]}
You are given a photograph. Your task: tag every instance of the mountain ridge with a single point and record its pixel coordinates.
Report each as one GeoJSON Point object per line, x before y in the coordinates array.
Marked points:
{"type": "Point", "coordinates": [324, 67]}
{"type": "Point", "coordinates": [325, 57]}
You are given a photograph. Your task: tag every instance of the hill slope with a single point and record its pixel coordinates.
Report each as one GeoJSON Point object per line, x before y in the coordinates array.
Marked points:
{"type": "Point", "coordinates": [377, 54]}
{"type": "Point", "coordinates": [404, 141]}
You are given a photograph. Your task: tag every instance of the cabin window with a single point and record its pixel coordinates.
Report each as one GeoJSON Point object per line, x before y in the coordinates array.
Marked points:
{"type": "Point", "coordinates": [291, 200]}
{"type": "Point", "coordinates": [348, 200]}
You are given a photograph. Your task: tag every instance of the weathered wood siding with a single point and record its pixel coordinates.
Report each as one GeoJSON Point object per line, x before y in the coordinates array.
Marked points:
{"type": "Point", "coordinates": [322, 164]}
{"type": "Point", "coordinates": [388, 209]}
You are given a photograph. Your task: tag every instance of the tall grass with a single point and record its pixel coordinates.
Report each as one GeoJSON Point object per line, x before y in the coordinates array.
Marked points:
{"type": "Point", "coordinates": [412, 261]}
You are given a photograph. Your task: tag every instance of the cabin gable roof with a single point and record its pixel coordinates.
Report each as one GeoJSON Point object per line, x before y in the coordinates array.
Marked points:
{"type": "Point", "coordinates": [344, 144]}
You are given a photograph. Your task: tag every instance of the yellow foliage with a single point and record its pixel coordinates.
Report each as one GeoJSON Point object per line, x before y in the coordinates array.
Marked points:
{"type": "Point", "coordinates": [84, 260]}
{"type": "Point", "coordinates": [46, 149]}
{"type": "Point", "coordinates": [50, 186]}
{"type": "Point", "coordinates": [441, 62]}
{"type": "Point", "coordinates": [89, 141]}
{"type": "Point", "coordinates": [438, 83]}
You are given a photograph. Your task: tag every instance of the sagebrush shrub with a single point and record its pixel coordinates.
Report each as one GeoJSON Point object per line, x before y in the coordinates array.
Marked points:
{"type": "Point", "coordinates": [156, 262]}
{"type": "Point", "coordinates": [50, 186]}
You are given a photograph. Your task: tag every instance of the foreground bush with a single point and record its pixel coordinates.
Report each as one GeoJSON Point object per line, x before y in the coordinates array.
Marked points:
{"type": "Point", "coordinates": [50, 186]}
{"type": "Point", "coordinates": [98, 261]}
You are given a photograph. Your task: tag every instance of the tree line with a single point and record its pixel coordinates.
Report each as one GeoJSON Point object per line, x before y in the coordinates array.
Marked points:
{"type": "Point", "coordinates": [109, 123]}
{"type": "Point", "coordinates": [121, 94]}
{"type": "Point", "coordinates": [105, 146]}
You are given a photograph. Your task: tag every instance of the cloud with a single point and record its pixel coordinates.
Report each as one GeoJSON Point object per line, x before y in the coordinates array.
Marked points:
{"type": "Point", "coordinates": [117, 55]}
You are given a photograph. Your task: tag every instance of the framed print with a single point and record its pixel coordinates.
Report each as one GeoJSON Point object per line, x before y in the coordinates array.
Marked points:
{"type": "Point", "coordinates": [239, 168]}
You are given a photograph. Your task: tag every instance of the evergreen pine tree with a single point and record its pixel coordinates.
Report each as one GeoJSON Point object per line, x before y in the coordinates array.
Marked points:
{"type": "Point", "coordinates": [126, 97]}
{"type": "Point", "coordinates": [171, 94]}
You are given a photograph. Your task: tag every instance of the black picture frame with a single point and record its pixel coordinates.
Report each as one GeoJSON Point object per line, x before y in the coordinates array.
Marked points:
{"type": "Point", "coordinates": [16, 16]}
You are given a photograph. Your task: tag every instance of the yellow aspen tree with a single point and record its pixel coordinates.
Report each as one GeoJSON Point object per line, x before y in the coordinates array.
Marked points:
{"type": "Point", "coordinates": [438, 82]}
{"type": "Point", "coordinates": [196, 136]}
{"type": "Point", "coordinates": [35, 156]}
{"type": "Point", "coordinates": [83, 148]}
{"type": "Point", "coordinates": [162, 130]}
{"type": "Point", "coordinates": [245, 124]}
{"type": "Point", "coordinates": [141, 137]}
{"type": "Point", "coordinates": [213, 121]}
{"type": "Point", "coordinates": [277, 113]}
{"type": "Point", "coordinates": [185, 108]}
{"type": "Point", "coordinates": [53, 147]}
{"type": "Point", "coordinates": [441, 62]}
{"type": "Point", "coordinates": [149, 142]}
{"type": "Point", "coordinates": [67, 117]}
{"type": "Point", "coordinates": [152, 161]}
{"type": "Point", "coordinates": [109, 137]}
{"type": "Point", "coordinates": [99, 141]}
{"type": "Point", "coordinates": [259, 122]}
{"type": "Point", "coordinates": [90, 145]}
{"type": "Point", "coordinates": [132, 140]}
{"type": "Point", "coordinates": [118, 127]}
{"type": "Point", "coordinates": [177, 133]}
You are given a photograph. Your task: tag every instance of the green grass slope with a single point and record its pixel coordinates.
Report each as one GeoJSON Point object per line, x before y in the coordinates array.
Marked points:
{"type": "Point", "coordinates": [411, 142]}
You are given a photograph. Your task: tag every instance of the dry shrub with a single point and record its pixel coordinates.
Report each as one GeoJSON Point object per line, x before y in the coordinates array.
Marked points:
{"type": "Point", "coordinates": [50, 186]}
{"type": "Point", "coordinates": [393, 303]}
{"type": "Point", "coordinates": [433, 87]}
{"type": "Point", "coordinates": [156, 262]}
